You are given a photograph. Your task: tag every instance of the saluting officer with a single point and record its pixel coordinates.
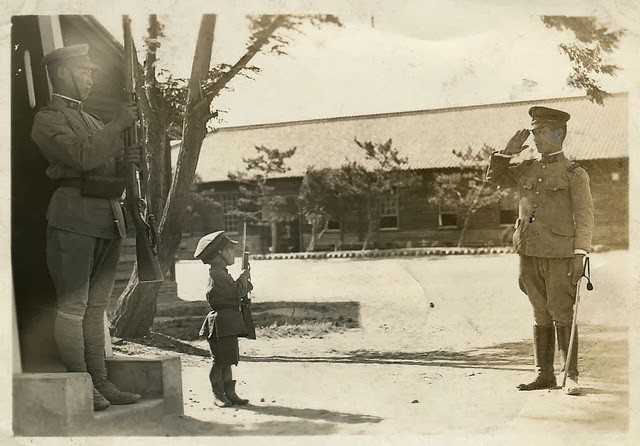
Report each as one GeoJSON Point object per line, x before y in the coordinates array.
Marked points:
{"type": "Point", "coordinates": [224, 323]}
{"type": "Point", "coordinates": [552, 236]}
{"type": "Point", "coordinates": [85, 222]}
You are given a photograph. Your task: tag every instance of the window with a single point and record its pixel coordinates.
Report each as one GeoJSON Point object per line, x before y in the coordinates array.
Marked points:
{"type": "Point", "coordinates": [615, 176]}
{"type": "Point", "coordinates": [331, 225]}
{"type": "Point", "coordinates": [389, 211]}
{"type": "Point", "coordinates": [229, 203]}
{"type": "Point", "coordinates": [508, 216]}
{"type": "Point", "coordinates": [447, 217]}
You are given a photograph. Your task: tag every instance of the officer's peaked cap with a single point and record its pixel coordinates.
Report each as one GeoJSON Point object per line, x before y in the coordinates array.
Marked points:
{"type": "Point", "coordinates": [212, 243]}
{"type": "Point", "coordinates": [540, 115]}
{"type": "Point", "coordinates": [74, 55]}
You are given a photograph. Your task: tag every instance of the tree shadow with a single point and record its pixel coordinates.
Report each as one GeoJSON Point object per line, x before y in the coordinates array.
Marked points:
{"type": "Point", "coordinates": [514, 356]}
{"type": "Point", "coordinates": [163, 342]}
{"type": "Point", "coordinates": [313, 414]}
{"type": "Point", "coordinates": [183, 425]}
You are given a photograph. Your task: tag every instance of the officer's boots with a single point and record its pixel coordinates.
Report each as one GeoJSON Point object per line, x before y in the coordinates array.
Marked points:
{"type": "Point", "coordinates": [217, 386]}
{"type": "Point", "coordinates": [230, 388]}
{"type": "Point", "coordinates": [563, 332]}
{"type": "Point", "coordinates": [543, 349]}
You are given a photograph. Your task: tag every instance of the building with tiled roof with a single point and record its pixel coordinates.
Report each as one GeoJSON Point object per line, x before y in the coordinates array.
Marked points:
{"type": "Point", "coordinates": [597, 138]}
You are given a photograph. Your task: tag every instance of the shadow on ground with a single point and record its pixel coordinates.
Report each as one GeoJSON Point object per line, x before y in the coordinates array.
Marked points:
{"type": "Point", "coordinates": [310, 422]}
{"type": "Point", "coordinates": [182, 320]}
{"type": "Point", "coordinates": [506, 356]}
{"type": "Point", "coordinates": [313, 414]}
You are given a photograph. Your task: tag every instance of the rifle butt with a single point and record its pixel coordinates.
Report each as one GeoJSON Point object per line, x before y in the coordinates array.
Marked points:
{"type": "Point", "coordinates": [149, 269]}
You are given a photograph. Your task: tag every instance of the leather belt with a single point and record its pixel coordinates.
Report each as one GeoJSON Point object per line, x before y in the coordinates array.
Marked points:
{"type": "Point", "coordinates": [226, 307]}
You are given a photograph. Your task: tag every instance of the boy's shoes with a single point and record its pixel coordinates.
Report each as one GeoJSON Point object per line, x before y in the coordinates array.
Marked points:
{"type": "Point", "coordinates": [230, 392]}
{"type": "Point", "coordinates": [219, 397]}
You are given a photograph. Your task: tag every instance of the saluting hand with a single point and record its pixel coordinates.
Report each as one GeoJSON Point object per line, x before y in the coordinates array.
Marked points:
{"type": "Point", "coordinates": [576, 268]}
{"type": "Point", "coordinates": [515, 144]}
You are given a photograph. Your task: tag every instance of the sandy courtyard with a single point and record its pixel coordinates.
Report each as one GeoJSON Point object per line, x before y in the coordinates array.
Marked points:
{"type": "Point", "coordinates": [441, 345]}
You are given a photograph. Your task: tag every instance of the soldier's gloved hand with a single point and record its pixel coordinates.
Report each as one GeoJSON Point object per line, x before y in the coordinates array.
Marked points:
{"type": "Point", "coordinates": [133, 155]}
{"type": "Point", "coordinates": [245, 275]}
{"type": "Point", "coordinates": [515, 144]}
{"type": "Point", "coordinates": [576, 268]}
{"type": "Point", "coordinates": [127, 114]}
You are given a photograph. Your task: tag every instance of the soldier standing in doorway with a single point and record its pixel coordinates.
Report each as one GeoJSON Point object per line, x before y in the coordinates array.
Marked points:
{"type": "Point", "coordinates": [85, 223]}
{"type": "Point", "coordinates": [552, 236]}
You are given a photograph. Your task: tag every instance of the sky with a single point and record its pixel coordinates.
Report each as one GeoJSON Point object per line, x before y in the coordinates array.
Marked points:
{"type": "Point", "coordinates": [431, 56]}
{"type": "Point", "coordinates": [413, 55]}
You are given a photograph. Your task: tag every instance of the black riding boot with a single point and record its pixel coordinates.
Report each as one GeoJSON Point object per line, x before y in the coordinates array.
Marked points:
{"type": "Point", "coordinates": [543, 349]}
{"type": "Point", "coordinates": [230, 388]}
{"type": "Point", "coordinates": [564, 336]}
{"type": "Point", "coordinates": [217, 385]}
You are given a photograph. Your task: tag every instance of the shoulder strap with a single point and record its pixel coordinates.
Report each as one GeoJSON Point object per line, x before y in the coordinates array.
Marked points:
{"type": "Point", "coordinates": [573, 166]}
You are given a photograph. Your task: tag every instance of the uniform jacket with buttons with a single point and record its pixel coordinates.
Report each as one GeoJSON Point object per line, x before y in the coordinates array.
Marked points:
{"type": "Point", "coordinates": [225, 297]}
{"type": "Point", "coordinates": [76, 143]}
{"type": "Point", "coordinates": [555, 212]}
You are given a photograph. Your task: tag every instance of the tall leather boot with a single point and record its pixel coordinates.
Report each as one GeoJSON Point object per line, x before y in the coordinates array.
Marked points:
{"type": "Point", "coordinates": [69, 339]}
{"type": "Point", "coordinates": [94, 358]}
{"type": "Point", "coordinates": [217, 386]}
{"type": "Point", "coordinates": [563, 332]}
{"type": "Point", "coordinates": [230, 387]}
{"type": "Point", "coordinates": [543, 350]}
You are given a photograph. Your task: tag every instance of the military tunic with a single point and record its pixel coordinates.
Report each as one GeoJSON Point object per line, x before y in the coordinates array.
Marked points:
{"type": "Point", "coordinates": [77, 143]}
{"type": "Point", "coordinates": [224, 323]}
{"type": "Point", "coordinates": [555, 220]}
{"type": "Point", "coordinates": [83, 233]}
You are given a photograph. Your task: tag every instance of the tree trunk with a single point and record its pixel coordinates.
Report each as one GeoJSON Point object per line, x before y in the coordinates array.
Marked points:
{"type": "Point", "coordinates": [156, 133]}
{"type": "Point", "coordinates": [137, 305]}
{"type": "Point", "coordinates": [463, 232]}
{"type": "Point", "coordinates": [373, 219]}
{"type": "Point", "coordinates": [274, 237]}
{"type": "Point", "coordinates": [314, 231]}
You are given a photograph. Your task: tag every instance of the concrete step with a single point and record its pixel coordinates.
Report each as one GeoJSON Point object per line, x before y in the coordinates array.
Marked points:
{"type": "Point", "coordinates": [57, 404]}
{"type": "Point", "coordinates": [118, 419]}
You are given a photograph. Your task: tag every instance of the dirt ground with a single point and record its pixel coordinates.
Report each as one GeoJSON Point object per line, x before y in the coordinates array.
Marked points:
{"type": "Point", "coordinates": [441, 344]}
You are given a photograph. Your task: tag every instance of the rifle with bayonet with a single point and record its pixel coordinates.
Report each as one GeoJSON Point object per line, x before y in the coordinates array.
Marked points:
{"type": "Point", "coordinates": [149, 269]}
{"type": "Point", "coordinates": [247, 315]}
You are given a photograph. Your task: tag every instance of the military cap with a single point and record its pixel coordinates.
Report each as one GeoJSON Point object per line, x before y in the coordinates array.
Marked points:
{"type": "Point", "coordinates": [74, 55]}
{"type": "Point", "coordinates": [212, 243]}
{"type": "Point", "coordinates": [544, 115]}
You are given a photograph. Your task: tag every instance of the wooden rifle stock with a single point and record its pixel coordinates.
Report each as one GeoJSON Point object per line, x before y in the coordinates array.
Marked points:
{"type": "Point", "coordinates": [149, 269]}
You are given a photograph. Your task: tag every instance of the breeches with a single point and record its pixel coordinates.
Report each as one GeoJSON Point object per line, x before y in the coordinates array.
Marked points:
{"type": "Point", "coordinates": [547, 284]}
{"type": "Point", "coordinates": [83, 271]}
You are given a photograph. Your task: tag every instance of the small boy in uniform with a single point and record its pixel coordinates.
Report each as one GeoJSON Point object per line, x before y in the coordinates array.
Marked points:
{"type": "Point", "coordinates": [224, 323]}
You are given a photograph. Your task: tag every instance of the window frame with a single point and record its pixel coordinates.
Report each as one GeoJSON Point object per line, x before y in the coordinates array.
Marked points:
{"type": "Point", "coordinates": [452, 211]}
{"type": "Point", "coordinates": [395, 195]}
{"type": "Point", "coordinates": [225, 199]}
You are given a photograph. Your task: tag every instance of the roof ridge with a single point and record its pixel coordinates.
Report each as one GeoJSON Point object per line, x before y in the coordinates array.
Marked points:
{"type": "Point", "coordinates": [405, 113]}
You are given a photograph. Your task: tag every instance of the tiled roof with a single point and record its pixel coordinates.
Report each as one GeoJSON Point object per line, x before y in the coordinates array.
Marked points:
{"type": "Point", "coordinates": [426, 137]}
